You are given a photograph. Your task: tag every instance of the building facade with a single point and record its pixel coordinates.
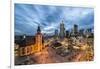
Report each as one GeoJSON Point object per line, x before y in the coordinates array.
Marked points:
{"type": "Point", "coordinates": [38, 40]}
{"type": "Point", "coordinates": [56, 33]}
{"type": "Point", "coordinates": [75, 30]}
{"type": "Point", "coordinates": [62, 30]}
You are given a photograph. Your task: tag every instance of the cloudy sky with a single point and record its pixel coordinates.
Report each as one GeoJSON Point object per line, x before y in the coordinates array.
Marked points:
{"type": "Point", "coordinates": [29, 16]}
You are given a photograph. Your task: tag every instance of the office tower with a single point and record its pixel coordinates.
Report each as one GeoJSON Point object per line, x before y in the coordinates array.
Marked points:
{"type": "Point", "coordinates": [88, 32]}
{"type": "Point", "coordinates": [67, 33]}
{"type": "Point", "coordinates": [75, 30]}
{"type": "Point", "coordinates": [62, 30]}
{"type": "Point", "coordinates": [56, 33]}
{"type": "Point", "coordinates": [81, 32]}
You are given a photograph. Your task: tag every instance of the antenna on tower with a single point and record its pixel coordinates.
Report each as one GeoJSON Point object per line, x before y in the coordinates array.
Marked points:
{"type": "Point", "coordinates": [62, 21]}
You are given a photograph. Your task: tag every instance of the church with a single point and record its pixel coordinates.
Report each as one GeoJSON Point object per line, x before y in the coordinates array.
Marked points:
{"type": "Point", "coordinates": [38, 40]}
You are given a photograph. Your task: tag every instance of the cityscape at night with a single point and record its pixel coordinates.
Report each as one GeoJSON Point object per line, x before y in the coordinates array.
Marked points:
{"type": "Point", "coordinates": [53, 34]}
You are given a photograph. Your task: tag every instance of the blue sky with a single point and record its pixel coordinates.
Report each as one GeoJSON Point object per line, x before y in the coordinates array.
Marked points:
{"type": "Point", "coordinates": [29, 16]}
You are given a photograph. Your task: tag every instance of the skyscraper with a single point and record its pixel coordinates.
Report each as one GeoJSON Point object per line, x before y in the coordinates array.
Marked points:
{"type": "Point", "coordinates": [67, 33]}
{"type": "Point", "coordinates": [88, 32]}
{"type": "Point", "coordinates": [81, 32]}
{"type": "Point", "coordinates": [62, 30]}
{"type": "Point", "coordinates": [75, 30]}
{"type": "Point", "coordinates": [38, 44]}
{"type": "Point", "coordinates": [56, 33]}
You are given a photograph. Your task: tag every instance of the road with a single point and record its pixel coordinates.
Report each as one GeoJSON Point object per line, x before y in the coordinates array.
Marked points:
{"type": "Point", "coordinates": [48, 55]}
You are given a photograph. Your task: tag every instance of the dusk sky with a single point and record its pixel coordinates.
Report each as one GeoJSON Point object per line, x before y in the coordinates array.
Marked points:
{"type": "Point", "coordinates": [29, 16]}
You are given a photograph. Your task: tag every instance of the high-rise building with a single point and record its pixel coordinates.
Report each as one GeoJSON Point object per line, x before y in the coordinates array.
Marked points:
{"type": "Point", "coordinates": [81, 32]}
{"type": "Point", "coordinates": [62, 30]}
{"type": "Point", "coordinates": [67, 33]}
{"type": "Point", "coordinates": [38, 44]}
{"type": "Point", "coordinates": [75, 30]}
{"type": "Point", "coordinates": [88, 32]}
{"type": "Point", "coordinates": [56, 33]}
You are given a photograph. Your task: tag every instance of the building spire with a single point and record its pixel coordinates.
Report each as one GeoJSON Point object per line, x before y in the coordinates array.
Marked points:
{"type": "Point", "coordinates": [62, 22]}
{"type": "Point", "coordinates": [38, 29]}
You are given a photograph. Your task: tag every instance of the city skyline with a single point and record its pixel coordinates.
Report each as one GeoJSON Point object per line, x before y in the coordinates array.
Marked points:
{"type": "Point", "coordinates": [58, 34]}
{"type": "Point", "coordinates": [29, 16]}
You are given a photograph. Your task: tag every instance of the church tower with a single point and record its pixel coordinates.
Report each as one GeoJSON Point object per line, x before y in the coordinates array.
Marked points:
{"type": "Point", "coordinates": [38, 40]}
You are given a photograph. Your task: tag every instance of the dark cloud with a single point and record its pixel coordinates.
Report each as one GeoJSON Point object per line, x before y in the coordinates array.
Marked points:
{"type": "Point", "coordinates": [28, 17]}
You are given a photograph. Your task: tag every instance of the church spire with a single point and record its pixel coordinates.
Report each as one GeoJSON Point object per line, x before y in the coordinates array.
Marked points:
{"type": "Point", "coordinates": [38, 29]}
{"type": "Point", "coordinates": [38, 40]}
